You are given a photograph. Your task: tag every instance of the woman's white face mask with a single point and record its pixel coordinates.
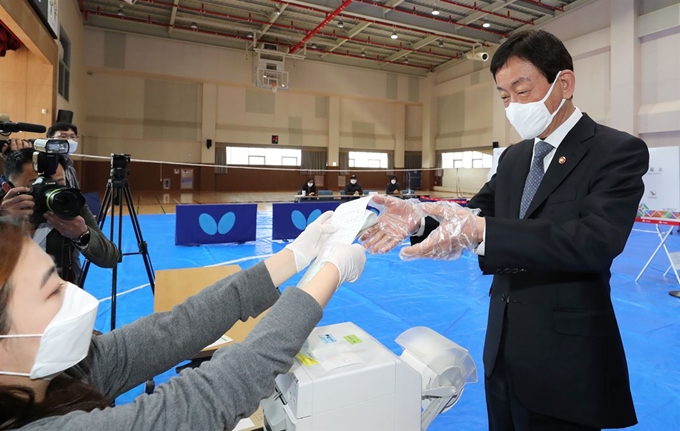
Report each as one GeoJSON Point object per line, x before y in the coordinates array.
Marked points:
{"type": "Point", "coordinates": [353, 181]}
{"type": "Point", "coordinates": [67, 337]}
{"type": "Point", "coordinates": [310, 184]}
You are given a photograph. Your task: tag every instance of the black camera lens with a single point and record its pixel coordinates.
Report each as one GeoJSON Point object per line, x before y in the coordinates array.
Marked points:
{"type": "Point", "coordinates": [64, 202]}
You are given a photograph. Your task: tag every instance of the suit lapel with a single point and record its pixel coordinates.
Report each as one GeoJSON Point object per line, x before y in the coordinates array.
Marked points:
{"type": "Point", "coordinates": [521, 168]}
{"type": "Point", "coordinates": [571, 151]}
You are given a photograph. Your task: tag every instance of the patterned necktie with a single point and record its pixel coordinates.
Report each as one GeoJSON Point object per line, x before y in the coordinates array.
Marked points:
{"type": "Point", "coordinates": [535, 176]}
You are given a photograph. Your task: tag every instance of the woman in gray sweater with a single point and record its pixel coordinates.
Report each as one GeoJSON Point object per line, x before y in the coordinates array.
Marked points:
{"type": "Point", "coordinates": [55, 376]}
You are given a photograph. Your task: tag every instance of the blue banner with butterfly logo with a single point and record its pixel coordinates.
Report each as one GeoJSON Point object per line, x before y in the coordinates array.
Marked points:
{"type": "Point", "coordinates": [215, 223]}
{"type": "Point", "coordinates": [289, 219]}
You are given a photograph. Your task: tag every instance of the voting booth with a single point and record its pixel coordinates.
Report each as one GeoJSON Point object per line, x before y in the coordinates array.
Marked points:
{"type": "Point", "coordinates": [660, 203]}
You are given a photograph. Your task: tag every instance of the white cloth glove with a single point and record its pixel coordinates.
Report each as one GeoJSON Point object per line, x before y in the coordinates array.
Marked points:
{"type": "Point", "coordinates": [349, 259]}
{"type": "Point", "coordinates": [307, 245]}
{"type": "Point", "coordinates": [456, 233]}
{"type": "Point", "coordinates": [398, 219]}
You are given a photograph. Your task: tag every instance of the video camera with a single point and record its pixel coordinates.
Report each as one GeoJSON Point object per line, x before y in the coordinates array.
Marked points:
{"type": "Point", "coordinates": [48, 195]}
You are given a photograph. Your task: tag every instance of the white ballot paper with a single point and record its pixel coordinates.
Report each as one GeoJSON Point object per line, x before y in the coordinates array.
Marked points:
{"type": "Point", "coordinates": [351, 219]}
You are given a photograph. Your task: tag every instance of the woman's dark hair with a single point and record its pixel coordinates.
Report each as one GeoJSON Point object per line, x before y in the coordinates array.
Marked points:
{"type": "Point", "coordinates": [540, 48]}
{"type": "Point", "coordinates": [64, 394]}
{"type": "Point", "coordinates": [310, 179]}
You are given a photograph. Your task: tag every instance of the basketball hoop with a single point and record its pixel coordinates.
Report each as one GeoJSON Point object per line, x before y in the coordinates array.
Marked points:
{"type": "Point", "coordinates": [274, 86]}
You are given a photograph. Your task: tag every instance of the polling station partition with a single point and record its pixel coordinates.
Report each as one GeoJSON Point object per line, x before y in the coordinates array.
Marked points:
{"type": "Point", "coordinates": [215, 223]}
{"type": "Point", "coordinates": [289, 219]}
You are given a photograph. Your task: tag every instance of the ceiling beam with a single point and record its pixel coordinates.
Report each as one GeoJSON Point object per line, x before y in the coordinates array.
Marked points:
{"type": "Point", "coordinates": [392, 3]}
{"type": "Point", "coordinates": [474, 16]}
{"type": "Point", "coordinates": [323, 24]}
{"type": "Point", "coordinates": [173, 15]}
{"type": "Point", "coordinates": [350, 34]}
{"type": "Point", "coordinates": [272, 19]}
{"type": "Point", "coordinates": [536, 8]}
{"type": "Point", "coordinates": [399, 25]}
{"type": "Point", "coordinates": [567, 8]}
{"type": "Point", "coordinates": [420, 44]}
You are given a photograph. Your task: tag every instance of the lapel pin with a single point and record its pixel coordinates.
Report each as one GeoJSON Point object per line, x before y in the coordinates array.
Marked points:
{"type": "Point", "coordinates": [562, 160]}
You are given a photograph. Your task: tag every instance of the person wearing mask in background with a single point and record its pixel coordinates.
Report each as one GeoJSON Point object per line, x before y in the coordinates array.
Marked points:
{"type": "Point", "coordinates": [353, 188]}
{"type": "Point", "coordinates": [69, 132]}
{"type": "Point", "coordinates": [54, 375]}
{"type": "Point", "coordinates": [393, 187]}
{"type": "Point", "coordinates": [548, 225]}
{"type": "Point", "coordinates": [309, 188]}
{"type": "Point", "coordinates": [56, 131]}
{"type": "Point", "coordinates": [64, 239]}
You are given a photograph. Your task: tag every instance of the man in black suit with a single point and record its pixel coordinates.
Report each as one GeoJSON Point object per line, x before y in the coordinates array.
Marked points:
{"type": "Point", "coordinates": [548, 225]}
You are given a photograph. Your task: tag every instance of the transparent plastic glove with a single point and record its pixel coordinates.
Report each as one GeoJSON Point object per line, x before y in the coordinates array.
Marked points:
{"type": "Point", "coordinates": [307, 245]}
{"type": "Point", "coordinates": [349, 259]}
{"type": "Point", "coordinates": [457, 232]}
{"type": "Point", "coordinates": [398, 219]}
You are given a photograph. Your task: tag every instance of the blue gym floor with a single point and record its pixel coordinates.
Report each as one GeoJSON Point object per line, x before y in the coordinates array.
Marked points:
{"type": "Point", "coordinates": [449, 297]}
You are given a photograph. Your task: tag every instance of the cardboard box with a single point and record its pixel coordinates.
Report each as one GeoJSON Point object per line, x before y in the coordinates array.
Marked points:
{"type": "Point", "coordinates": [174, 286]}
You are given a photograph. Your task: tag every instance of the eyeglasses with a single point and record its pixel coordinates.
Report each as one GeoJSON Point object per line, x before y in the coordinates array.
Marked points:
{"type": "Point", "coordinates": [60, 136]}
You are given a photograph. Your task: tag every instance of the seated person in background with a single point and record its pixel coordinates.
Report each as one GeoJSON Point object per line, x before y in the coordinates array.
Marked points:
{"type": "Point", "coordinates": [353, 188]}
{"type": "Point", "coordinates": [73, 387]}
{"type": "Point", "coordinates": [63, 239]}
{"type": "Point", "coordinates": [393, 187]}
{"type": "Point", "coordinates": [309, 188]}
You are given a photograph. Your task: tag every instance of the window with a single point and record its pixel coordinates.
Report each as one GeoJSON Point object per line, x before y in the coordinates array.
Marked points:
{"type": "Point", "coordinates": [263, 156]}
{"type": "Point", "coordinates": [466, 159]}
{"type": "Point", "coordinates": [64, 78]}
{"type": "Point", "coordinates": [359, 159]}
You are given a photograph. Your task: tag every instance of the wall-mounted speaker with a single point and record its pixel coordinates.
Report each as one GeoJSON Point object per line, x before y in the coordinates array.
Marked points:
{"type": "Point", "coordinates": [494, 144]}
{"type": "Point", "coordinates": [208, 143]}
{"type": "Point", "coordinates": [64, 116]}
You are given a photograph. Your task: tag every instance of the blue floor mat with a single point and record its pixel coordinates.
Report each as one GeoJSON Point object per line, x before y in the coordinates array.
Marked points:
{"type": "Point", "coordinates": [449, 297]}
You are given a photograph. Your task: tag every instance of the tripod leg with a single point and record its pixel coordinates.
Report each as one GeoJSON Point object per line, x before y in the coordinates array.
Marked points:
{"type": "Point", "coordinates": [114, 277]}
{"type": "Point", "coordinates": [101, 217]}
{"type": "Point", "coordinates": [141, 244]}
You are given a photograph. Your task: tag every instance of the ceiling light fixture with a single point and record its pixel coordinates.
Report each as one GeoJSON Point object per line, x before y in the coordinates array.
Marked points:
{"type": "Point", "coordinates": [406, 60]}
{"type": "Point", "coordinates": [363, 53]}
{"type": "Point", "coordinates": [435, 11]}
{"type": "Point", "coordinates": [194, 25]}
{"type": "Point", "coordinates": [394, 35]}
{"type": "Point", "coordinates": [341, 24]}
{"type": "Point", "coordinates": [313, 45]}
{"type": "Point", "coordinates": [250, 35]}
{"type": "Point", "coordinates": [277, 12]}
{"type": "Point", "coordinates": [441, 43]}
{"type": "Point", "coordinates": [486, 25]}
{"type": "Point", "coordinates": [121, 12]}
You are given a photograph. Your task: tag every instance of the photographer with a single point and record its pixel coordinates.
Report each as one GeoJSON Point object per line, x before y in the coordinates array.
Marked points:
{"type": "Point", "coordinates": [56, 131]}
{"type": "Point", "coordinates": [61, 238]}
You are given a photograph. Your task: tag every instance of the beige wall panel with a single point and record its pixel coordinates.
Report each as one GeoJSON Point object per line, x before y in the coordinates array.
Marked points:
{"type": "Point", "coordinates": [147, 149]}
{"type": "Point", "coordinates": [660, 86]}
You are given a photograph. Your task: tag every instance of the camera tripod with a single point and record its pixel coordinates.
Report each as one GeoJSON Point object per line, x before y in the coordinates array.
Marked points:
{"type": "Point", "coordinates": [118, 189]}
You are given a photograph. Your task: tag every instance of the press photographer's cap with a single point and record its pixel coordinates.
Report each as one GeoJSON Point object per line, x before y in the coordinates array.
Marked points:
{"type": "Point", "coordinates": [353, 177]}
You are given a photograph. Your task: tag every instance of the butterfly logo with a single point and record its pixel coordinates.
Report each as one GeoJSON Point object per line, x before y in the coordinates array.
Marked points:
{"type": "Point", "coordinates": [299, 220]}
{"type": "Point", "coordinates": [211, 227]}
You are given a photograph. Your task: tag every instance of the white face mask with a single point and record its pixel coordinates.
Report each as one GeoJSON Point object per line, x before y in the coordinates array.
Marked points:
{"type": "Point", "coordinates": [531, 119]}
{"type": "Point", "coordinates": [72, 146]}
{"type": "Point", "coordinates": [67, 337]}
{"type": "Point", "coordinates": [310, 184]}
{"type": "Point", "coordinates": [393, 181]}
{"type": "Point", "coordinates": [353, 181]}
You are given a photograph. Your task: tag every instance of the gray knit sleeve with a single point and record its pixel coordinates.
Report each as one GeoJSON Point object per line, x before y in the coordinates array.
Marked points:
{"type": "Point", "coordinates": [216, 395]}
{"type": "Point", "coordinates": [129, 356]}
